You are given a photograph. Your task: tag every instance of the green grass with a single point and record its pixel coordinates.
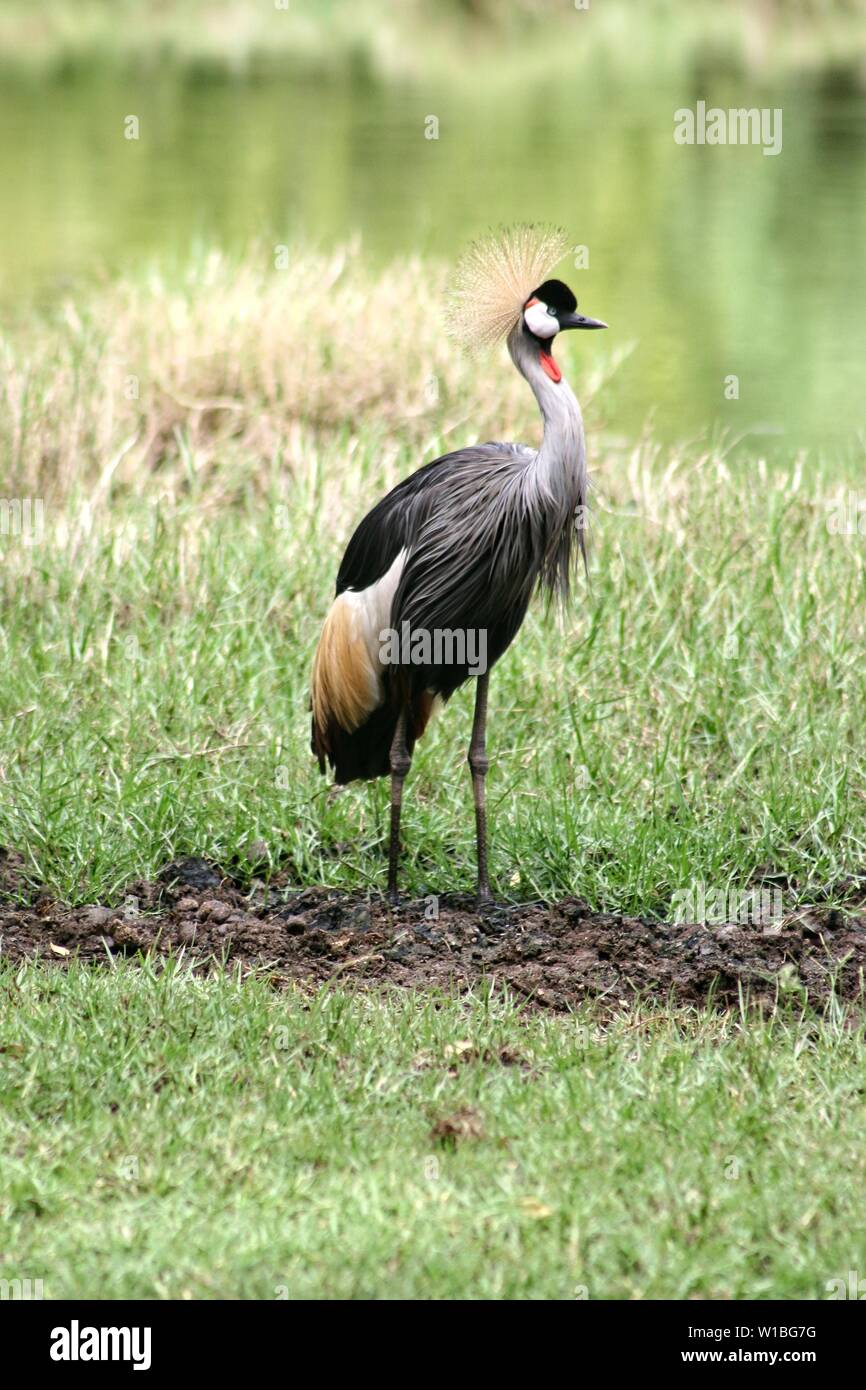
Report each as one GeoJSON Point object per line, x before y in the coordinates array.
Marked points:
{"type": "Point", "coordinates": [697, 715]}
{"type": "Point", "coordinates": [173, 1136]}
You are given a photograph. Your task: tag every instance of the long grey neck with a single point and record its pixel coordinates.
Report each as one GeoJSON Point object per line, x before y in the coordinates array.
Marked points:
{"type": "Point", "coordinates": [559, 467]}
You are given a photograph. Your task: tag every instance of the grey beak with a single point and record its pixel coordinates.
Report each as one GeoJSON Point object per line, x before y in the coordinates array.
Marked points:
{"type": "Point", "coordinates": [580, 321]}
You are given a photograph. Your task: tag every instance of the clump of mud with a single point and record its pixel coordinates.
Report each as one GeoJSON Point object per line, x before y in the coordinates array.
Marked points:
{"type": "Point", "coordinates": [552, 955]}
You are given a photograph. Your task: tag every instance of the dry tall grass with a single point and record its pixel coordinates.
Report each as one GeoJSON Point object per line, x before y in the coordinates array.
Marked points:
{"type": "Point", "coordinates": [238, 365]}
{"type": "Point", "coordinates": [234, 375]}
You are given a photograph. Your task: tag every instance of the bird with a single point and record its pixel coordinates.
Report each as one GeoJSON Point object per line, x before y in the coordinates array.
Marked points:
{"type": "Point", "coordinates": [460, 546]}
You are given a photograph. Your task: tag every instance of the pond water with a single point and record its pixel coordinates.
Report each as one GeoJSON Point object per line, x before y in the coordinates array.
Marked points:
{"type": "Point", "coordinates": [712, 261]}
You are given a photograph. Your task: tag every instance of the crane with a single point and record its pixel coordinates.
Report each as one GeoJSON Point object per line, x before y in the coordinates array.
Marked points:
{"type": "Point", "coordinates": [458, 547]}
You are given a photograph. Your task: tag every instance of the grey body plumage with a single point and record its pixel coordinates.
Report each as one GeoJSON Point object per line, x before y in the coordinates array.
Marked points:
{"type": "Point", "coordinates": [469, 537]}
{"type": "Point", "coordinates": [482, 528]}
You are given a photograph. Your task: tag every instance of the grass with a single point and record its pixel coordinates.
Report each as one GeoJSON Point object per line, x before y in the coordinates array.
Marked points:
{"type": "Point", "coordinates": [173, 1136]}
{"type": "Point", "coordinates": [200, 454]}
{"type": "Point", "coordinates": [696, 716]}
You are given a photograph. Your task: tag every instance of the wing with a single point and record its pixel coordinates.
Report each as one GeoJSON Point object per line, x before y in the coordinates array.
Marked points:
{"type": "Point", "coordinates": [398, 520]}
{"type": "Point", "coordinates": [473, 564]}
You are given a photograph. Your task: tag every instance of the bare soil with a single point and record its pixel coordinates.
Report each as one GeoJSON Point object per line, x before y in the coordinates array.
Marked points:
{"type": "Point", "coordinates": [552, 955]}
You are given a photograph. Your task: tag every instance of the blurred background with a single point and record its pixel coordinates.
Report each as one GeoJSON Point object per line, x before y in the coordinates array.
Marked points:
{"type": "Point", "coordinates": [310, 120]}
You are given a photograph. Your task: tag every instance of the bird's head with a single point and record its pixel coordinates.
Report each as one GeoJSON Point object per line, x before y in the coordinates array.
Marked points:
{"type": "Point", "coordinates": [549, 310]}
{"type": "Point", "coordinates": [491, 297]}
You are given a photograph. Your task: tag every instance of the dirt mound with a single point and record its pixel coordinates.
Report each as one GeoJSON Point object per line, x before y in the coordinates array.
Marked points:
{"type": "Point", "coordinates": [554, 955]}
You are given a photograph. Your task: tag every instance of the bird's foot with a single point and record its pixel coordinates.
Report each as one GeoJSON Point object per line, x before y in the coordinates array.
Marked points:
{"type": "Point", "coordinates": [393, 897]}
{"type": "Point", "coordinates": [493, 916]}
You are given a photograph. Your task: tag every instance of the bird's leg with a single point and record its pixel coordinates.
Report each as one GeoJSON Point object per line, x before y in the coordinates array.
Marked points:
{"type": "Point", "coordinates": [478, 764]}
{"type": "Point", "coordinates": [400, 762]}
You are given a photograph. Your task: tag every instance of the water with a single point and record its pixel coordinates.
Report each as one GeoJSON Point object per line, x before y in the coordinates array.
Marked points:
{"type": "Point", "coordinates": [712, 261]}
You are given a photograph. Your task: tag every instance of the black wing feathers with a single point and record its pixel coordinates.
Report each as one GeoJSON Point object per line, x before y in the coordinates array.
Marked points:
{"type": "Point", "coordinates": [480, 534]}
{"type": "Point", "coordinates": [395, 522]}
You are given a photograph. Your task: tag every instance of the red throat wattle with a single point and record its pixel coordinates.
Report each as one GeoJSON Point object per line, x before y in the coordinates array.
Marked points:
{"type": "Point", "coordinates": [550, 367]}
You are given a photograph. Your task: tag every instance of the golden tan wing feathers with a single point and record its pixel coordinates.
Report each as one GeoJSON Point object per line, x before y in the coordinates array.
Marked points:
{"type": "Point", "coordinates": [345, 684]}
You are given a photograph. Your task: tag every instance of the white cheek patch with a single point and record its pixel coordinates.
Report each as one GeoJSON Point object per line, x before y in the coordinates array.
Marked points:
{"type": "Point", "coordinates": [540, 322]}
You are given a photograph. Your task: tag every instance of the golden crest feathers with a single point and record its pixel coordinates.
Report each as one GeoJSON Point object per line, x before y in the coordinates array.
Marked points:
{"type": "Point", "coordinates": [494, 278]}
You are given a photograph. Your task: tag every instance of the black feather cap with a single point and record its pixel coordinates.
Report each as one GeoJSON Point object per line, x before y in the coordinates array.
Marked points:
{"type": "Point", "coordinates": [556, 295]}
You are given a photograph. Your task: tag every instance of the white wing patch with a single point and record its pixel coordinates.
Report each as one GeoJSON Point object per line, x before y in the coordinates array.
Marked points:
{"type": "Point", "coordinates": [347, 682]}
{"type": "Point", "coordinates": [372, 607]}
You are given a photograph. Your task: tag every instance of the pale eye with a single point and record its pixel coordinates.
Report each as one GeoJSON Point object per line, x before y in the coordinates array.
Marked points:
{"type": "Point", "coordinates": [552, 312]}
